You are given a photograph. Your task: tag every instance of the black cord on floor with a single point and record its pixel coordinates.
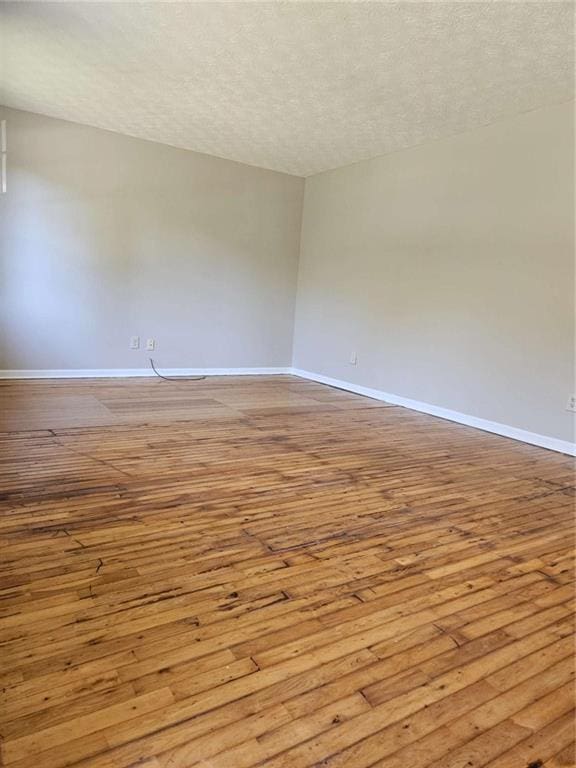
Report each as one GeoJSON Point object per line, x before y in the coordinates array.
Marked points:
{"type": "Point", "coordinates": [174, 378]}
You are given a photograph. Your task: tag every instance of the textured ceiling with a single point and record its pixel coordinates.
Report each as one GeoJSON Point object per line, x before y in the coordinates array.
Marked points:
{"type": "Point", "coordinates": [298, 87]}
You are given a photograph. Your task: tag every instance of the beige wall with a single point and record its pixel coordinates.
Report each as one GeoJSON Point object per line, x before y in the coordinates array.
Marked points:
{"type": "Point", "coordinates": [449, 269]}
{"type": "Point", "coordinates": [103, 237]}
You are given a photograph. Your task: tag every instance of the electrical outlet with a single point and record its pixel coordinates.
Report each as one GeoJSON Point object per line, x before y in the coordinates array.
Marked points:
{"type": "Point", "coordinates": [134, 342]}
{"type": "Point", "coordinates": [571, 404]}
{"type": "Point", "coordinates": [150, 345]}
{"type": "Point", "coordinates": [353, 358]}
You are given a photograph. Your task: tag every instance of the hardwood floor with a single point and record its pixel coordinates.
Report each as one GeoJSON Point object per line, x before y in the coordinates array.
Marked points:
{"type": "Point", "coordinates": [268, 572]}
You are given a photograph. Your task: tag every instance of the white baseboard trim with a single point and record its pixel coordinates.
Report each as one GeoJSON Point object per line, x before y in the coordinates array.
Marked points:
{"type": "Point", "coordinates": [552, 443]}
{"type": "Point", "coordinates": [121, 373]}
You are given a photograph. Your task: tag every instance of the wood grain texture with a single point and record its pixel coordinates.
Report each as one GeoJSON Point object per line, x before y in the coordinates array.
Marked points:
{"type": "Point", "coordinates": [264, 571]}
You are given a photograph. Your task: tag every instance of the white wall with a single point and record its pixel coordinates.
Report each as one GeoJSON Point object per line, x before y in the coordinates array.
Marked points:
{"type": "Point", "coordinates": [103, 237]}
{"type": "Point", "coordinates": [449, 269]}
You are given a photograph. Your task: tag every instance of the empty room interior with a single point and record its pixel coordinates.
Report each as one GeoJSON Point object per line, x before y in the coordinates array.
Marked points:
{"type": "Point", "coordinates": [287, 384]}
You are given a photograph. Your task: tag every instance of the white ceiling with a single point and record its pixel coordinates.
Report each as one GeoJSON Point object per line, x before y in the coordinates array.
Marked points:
{"type": "Point", "coordinates": [296, 86]}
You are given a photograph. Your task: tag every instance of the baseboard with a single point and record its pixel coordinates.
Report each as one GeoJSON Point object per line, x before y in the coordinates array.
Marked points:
{"type": "Point", "coordinates": [116, 373]}
{"type": "Point", "coordinates": [551, 443]}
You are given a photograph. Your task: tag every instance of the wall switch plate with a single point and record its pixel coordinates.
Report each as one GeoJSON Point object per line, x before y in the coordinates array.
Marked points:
{"type": "Point", "coordinates": [134, 342]}
{"type": "Point", "coordinates": [150, 345]}
{"type": "Point", "coordinates": [353, 358]}
{"type": "Point", "coordinates": [571, 404]}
